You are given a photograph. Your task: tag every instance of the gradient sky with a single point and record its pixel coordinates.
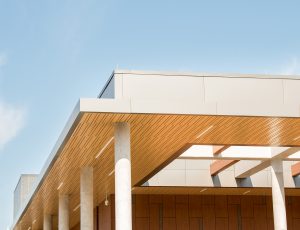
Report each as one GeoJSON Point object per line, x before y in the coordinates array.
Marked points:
{"type": "Point", "coordinates": [54, 52]}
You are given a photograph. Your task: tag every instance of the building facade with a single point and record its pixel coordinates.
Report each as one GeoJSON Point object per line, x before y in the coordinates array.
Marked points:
{"type": "Point", "coordinates": [164, 150]}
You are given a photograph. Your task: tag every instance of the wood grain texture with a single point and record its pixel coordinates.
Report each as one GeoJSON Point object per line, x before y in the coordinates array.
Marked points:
{"type": "Point", "coordinates": [155, 139]}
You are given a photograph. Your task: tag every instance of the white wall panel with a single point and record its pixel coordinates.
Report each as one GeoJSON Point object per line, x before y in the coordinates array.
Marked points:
{"type": "Point", "coordinates": [198, 178]}
{"type": "Point", "coordinates": [163, 87]}
{"type": "Point", "coordinates": [198, 164]}
{"type": "Point", "coordinates": [243, 90]}
{"type": "Point", "coordinates": [171, 177]}
{"type": "Point", "coordinates": [292, 91]}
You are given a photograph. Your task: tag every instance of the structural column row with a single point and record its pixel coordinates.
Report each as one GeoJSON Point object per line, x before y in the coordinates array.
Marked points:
{"type": "Point", "coordinates": [123, 209]}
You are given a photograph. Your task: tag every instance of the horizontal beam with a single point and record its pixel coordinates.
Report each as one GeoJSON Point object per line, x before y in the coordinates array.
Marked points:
{"type": "Point", "coordinates": [295, 168]}
{"type": "Point", "coordinates": [284, 152]}
{"type": "Point", "coordinates": [248, 168]}
{"type": "Point", "coordinates": [220, 165]}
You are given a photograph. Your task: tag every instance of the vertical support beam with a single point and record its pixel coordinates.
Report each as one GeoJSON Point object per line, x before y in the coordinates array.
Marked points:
{"type": "Point", "coordinates": [278, 195]}
{"type": "Point", "coordinates": [63, 212]}
{"type": "Point", "coordinates": [86, 199]}
{"type": "Point", "coordinates": [123, 210]}
{"type": "Point", "coordinates": [47, 222]}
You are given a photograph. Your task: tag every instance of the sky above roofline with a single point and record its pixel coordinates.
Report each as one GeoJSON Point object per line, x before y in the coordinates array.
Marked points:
{"type": "Point", "coordinates": [54, 52]}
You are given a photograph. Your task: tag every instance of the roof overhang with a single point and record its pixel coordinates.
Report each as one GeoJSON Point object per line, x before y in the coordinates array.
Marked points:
{"type": "Point", "coordinates": [159, 133]}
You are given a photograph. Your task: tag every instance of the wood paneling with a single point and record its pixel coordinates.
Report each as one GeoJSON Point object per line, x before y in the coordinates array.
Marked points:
{"type": "Point", "coordinates": [209, 217]}
{"type": "Point", "coordinates": [169, 223]}
{"type": "Point", "coordinates": [221, 206]}
{"type": "Point", "coordinates": [155, 140]}
{"type": "Point", "coordinates": [169, 206]}
{"type": "Point", "coordinates": [234, 217]}
{"type": "Point", "coordinates": [256, 191]}
{"type": "Point", "coordinates": [295, 207]}
{"type": "Point", "coordinates": [182, 216]}
{"type": "Point", "coordinates": [104, 217]}
{"type": "Point", "coordinates": [220, 213]}
{"type": "Point", "coordinates": [260, 216]}
{"type": "Point", "coordinates": [142, 206]}
{"type": "Point", "coordinates": [141, 223]}
{"type": "Point", "coordinates": [196, 223]}
{"type": "Point", "coordinates": [155, 216]}
{"type": "Point", "coordinates": [221, 224]}
{"type": "Point", "coordinates": [247, 207]}
{"type": "Point", "coordinates": [195, 206]}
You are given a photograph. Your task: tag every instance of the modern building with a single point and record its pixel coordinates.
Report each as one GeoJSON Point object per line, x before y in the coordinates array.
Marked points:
{"type": "Point", "coordinates": [167, 150]}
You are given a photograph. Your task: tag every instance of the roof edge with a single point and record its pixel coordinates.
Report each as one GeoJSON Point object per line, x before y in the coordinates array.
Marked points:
{"type": "Point", "coordinates": [63, 137]}
{"type": "Point", "coordinates": [206, 74]}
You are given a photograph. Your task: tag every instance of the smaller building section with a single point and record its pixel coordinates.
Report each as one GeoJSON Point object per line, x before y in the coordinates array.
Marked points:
{"type": "Point", "coordinates": [22, 191]}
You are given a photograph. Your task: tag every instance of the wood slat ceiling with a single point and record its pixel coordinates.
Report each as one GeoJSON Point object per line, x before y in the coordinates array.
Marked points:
{"type": "Point", "coordinates": [155, 140]}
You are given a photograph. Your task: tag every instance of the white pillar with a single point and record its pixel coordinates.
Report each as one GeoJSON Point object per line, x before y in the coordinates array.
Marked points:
{"type": "Point", "coordinates": [278, 195]}
{"type": "Point", "coordinates": [63, 212]}
{"type": "Point", "coordinates": [86, 199]}
{"type": "Point", "coordinates": [47, 224]}
{"type": "Point", "coordinates": [122, 177]}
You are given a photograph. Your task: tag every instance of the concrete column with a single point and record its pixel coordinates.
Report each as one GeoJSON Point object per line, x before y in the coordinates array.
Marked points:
{"type": "Point", "coordinates": [63, 212]}
{"type": "Point", "coordinates": [86, 199]}
{"type": "Point", "coordinates": [278, 195]}
{"type": "Point", "coordinates": [47, 224]}
{"type": "Point", "coordinates": [122, 177]}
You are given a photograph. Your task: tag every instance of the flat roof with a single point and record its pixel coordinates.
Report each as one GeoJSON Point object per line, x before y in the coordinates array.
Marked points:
{"type": "Point", "coordinates": [206, 74]}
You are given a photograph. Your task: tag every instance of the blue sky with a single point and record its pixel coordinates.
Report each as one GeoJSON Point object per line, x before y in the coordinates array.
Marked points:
{"type": "Point", "coordinates": [54, 52]}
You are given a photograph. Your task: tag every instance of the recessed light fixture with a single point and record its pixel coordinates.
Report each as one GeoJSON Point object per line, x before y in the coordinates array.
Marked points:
{"type": "Point", "coordinates": [296, 138]}
{"type": "Point", "coordinates": [112, 172]}
{"type": "Point", "coordinates": [204, 131]}
{"type": "Point", "coordinates": [246, 192]}
{"type": "Point", "coordinates": [203, 190]}
{"type": "Point", "coordinates": [59, 186]}
{"type": "Point", "coordinates": [77, 207]}
{"type": "Point", "coordinates": [106, 202]}
{"type": "Point", "coordinates": [104, 147]}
